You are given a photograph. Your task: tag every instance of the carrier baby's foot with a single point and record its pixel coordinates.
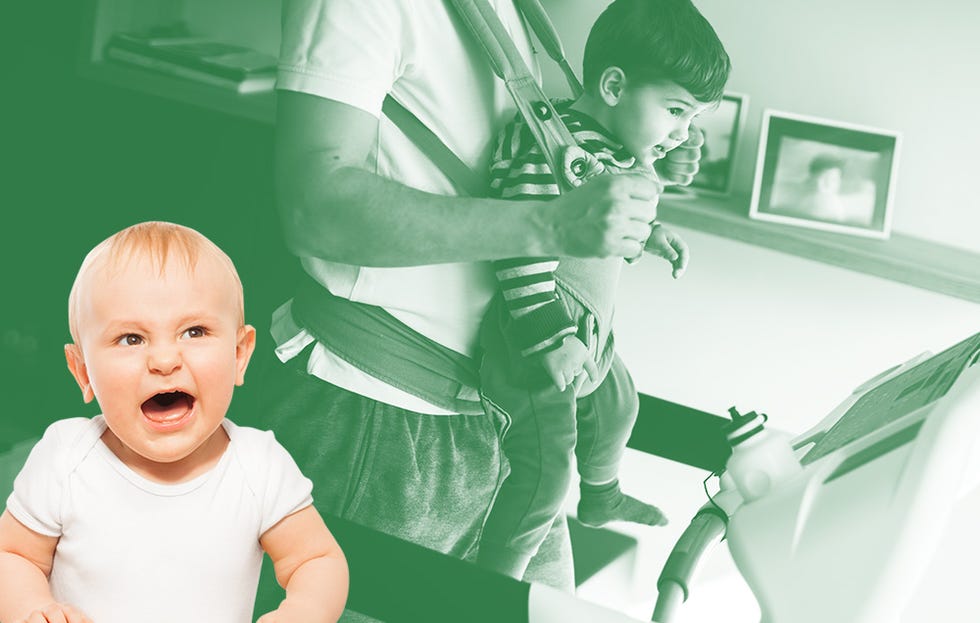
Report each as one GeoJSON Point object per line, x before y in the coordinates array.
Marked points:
{"type": "Point", "coordinates": [601, 504]}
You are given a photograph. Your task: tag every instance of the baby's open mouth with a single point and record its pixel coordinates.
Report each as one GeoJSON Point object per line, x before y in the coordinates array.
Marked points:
{"type": "Point", "coordinates": [168, 406]}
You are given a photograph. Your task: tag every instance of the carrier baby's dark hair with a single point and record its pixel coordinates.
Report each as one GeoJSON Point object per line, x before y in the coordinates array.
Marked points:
{"type": "Point", "coordinates": [652, 40]}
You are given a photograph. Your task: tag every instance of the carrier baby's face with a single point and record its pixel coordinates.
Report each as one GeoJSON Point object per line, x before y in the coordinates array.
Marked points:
{"type": "Point", "coordinates": [162, 350]}
{"type": "Point", "coordinates": [650, 119]}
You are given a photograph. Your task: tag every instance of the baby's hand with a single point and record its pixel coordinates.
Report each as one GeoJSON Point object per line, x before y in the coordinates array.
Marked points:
{"type": "Point", "coordinates": [55, 613]}
{"type": "Point", "coordinates": [279, 615]}
{"type": "Point", "coordinates": [682, 163]}
{"type": "Point", "coordinates": [293, 611]}
{"type": "Point", "coordinates": [670, 246]}
{"type": "Point", "coordinates": [567, 363]}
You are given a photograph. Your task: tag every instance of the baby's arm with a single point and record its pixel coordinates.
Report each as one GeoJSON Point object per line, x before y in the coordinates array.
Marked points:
{"type": "Point", "coordinates": [668, 245]}
{"type": "Point", "coordinates": [25, 563]}
{"type": "Point", "coordinates": [310, 566]}
{"type": "Point", "coordinates": [541, 327]}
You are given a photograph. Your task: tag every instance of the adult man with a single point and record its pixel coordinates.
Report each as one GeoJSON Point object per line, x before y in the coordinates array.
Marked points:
{"type": "Point", "coordinates": [375, 222]}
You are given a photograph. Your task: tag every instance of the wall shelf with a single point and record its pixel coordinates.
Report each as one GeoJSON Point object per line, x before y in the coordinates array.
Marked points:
{"type": "Point", "coordinates": [255, 25]}
{"type": "Point", "coordinates": [905, 259]}
{"type": "Point", "coordinates": [259, 107]}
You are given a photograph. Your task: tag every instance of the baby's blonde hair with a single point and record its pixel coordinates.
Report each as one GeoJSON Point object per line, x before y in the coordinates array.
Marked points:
{"type": "Point", "coordinates": [156, 241]}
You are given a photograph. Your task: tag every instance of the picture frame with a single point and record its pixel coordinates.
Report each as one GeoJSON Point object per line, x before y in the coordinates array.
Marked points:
{"type": "Point", "coordinates": [722, 130]}
{"type": "Point", "coordinates": [825, 174]}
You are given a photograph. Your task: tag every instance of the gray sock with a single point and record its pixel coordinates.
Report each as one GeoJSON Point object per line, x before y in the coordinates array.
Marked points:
{"type": "Point", "coordinates": [603, 503]}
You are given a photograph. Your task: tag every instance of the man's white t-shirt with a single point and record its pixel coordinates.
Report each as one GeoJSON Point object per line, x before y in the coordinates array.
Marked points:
{"type": "Point", "coordinates": [131, 549]}
{"type": "Point", "coordinates": [356, 52]}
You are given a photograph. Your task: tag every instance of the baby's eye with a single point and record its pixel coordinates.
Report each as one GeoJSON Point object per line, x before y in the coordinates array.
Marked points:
{"type": "Point", "coordinates": [195, 332]}
{"type": "Point", "coordinates": [676, 112]}
{"type": "Point", "coordinates": [130, 339]}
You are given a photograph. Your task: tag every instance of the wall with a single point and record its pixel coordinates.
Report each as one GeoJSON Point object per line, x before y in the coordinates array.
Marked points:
{"type": "Point", "coordinates": [904, 66]}
{"type": "Point", "coordinates": [256, 22]}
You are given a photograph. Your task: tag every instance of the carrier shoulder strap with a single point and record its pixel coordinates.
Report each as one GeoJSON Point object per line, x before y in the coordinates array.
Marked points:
{"type": "Point", "coordinates": [507, 63]}
{"type": "Point", "coordinates": [466, 181]}
{"type": "Point", "coordinates": [546, 33]}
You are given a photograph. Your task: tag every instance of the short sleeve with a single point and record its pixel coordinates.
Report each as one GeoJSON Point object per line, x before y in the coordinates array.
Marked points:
{"type": "Point", "coordinates": [36, 500]}
{"type": "Point", "coordinates": [348, 51]}
{"type": "Point", "coordinates": [286, 489]}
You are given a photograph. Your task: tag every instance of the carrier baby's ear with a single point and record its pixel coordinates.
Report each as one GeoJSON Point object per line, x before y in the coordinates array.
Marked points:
{"type": "Point", "coordinates": [612, 81]}
{"type": "Point", "coordinates": [76, 364]}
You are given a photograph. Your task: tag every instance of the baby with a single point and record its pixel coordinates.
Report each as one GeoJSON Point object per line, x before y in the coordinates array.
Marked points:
{"type": "Point", "coordinates": [159, 509]}
{"type": "Point", "coordinates": [549, 366]}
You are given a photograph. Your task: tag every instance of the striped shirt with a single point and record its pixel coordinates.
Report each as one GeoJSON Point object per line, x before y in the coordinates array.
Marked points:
{"type": "Point", "coordinates": [519, 171]}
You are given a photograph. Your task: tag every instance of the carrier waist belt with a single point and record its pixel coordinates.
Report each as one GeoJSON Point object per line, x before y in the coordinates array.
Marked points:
{"type": "Point", "coordinates": [374, 341]}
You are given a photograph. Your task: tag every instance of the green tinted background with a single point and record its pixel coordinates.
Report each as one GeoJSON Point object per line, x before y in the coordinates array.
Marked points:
{"type": "Point", "coordinates": [83, 160]}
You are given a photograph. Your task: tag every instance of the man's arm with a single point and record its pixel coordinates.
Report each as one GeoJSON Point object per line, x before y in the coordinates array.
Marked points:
{"type": "Point", "coordinates": [333, 208]}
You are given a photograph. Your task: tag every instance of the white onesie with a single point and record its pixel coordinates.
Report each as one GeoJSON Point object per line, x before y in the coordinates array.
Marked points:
{"type": "Point", "coordinates": [135, 550]}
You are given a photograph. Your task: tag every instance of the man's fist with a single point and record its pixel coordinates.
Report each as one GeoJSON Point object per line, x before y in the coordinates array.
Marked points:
{"type": "Point", "coordinates": [608, 216]}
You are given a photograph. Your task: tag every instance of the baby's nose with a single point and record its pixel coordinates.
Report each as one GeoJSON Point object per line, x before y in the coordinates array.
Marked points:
{"type": "Point", "coordinates": [164, 359]}
{"type": "Point", "coordinates": [680, 134]}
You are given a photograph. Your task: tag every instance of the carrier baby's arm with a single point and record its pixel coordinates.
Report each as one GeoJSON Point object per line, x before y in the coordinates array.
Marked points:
{"type": "Point", "coordinates": [665, 243]}
{"type": "Point", "coordinates": [334, 208]}
{"type": "Point", "coordinates": [310, 566]}
{"type": "Point", "coordinates": [528, 287]}
{"type": "Point", "coordinates": [26, 558]}
{"type": "Point", "coordinates": [541, 326]}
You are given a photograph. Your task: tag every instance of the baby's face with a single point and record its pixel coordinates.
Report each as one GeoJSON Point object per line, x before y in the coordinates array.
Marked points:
{"type": "Point", "coordinates": [650, 119]}
{"type": "Point", "coordinates": [829, 180]}
{"type": "Point", "coordinates": [162, 352]}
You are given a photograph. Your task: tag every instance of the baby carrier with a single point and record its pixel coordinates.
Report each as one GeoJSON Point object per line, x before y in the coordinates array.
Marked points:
{"type": "Point", "coordinates": [373, 340]}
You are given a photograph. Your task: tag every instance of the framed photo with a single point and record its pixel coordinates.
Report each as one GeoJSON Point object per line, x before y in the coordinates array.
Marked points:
{"type": "Point", "coordinates": [825, 175]}
{"type": "Point", "coordinates": [722, 129]}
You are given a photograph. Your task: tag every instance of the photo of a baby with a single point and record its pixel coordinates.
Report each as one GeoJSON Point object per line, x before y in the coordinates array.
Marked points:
{"type": "Point", "coordinates": [824, 175]}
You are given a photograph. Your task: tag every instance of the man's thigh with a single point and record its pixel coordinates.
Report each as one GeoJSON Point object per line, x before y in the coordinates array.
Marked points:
{"type": "Point", "coordinates": [427, 479]}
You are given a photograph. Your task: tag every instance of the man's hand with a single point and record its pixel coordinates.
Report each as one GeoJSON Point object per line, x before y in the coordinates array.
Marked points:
{"type": "Point", "coordinates": [682, 163]}
{"type": "Point", "coordinates": [608, 216]}
{"type": "Point", "coordinates": [668, 245]}
{"type": "Point", "coordinates": [569, 363]}
{"type": "Point", "coordinates": [55, 613]}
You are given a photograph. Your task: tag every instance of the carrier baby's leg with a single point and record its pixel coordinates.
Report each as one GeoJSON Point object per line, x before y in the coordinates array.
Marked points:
{"type": "Point", "coordinates": [539, 446]}
{"type": "Point", "coordinates": [605, 421]}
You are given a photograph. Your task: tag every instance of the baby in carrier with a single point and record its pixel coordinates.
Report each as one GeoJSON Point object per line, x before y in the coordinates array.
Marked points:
{"type": "Point", "coordinates": [549, 366]}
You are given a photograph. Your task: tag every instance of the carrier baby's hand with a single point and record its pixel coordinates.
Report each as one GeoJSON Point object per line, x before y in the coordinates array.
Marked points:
{"type": "Point", "coordinates": [670, 246]}
{"type": "Point", "coordinates": [608, 216]}
{"type": "Point", "coordinates": [682, 163]}
{"type": "Point", "coordinates": [569, 363]}
{"type": "Point", "coordinates": [55, 613]}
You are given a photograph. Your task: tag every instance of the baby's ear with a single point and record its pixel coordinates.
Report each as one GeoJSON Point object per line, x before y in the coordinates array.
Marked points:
{"type": "Point", "coordinates": [244, 350]}
{"type": "Point", "coordinates": [76, 364]}
{"type": "Point", "coordinates": [612, 81]}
